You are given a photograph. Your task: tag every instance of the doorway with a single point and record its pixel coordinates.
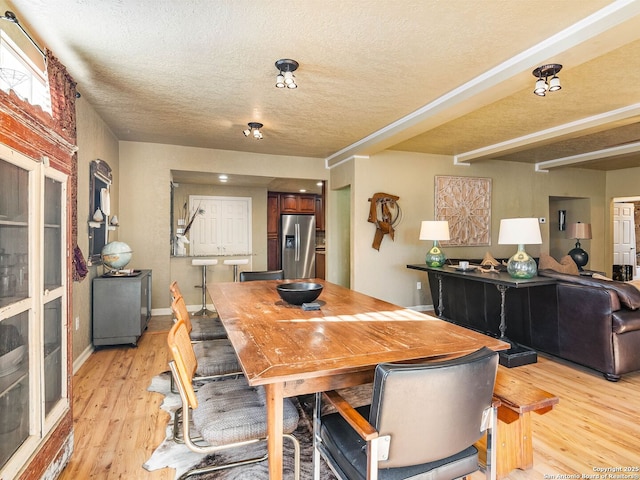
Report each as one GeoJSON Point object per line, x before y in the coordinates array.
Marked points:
{"type": "Point", "coordinates": [341, 251]}
{"type": "Point", "coordinates": [626, 216]}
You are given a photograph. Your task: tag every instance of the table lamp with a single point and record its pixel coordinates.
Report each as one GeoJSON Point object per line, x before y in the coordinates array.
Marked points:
{"type": "Point", "coordinates": [435, 230]}
{"type": "Point", "coordinates": [520, 231]}
{"type": "Point", "coordinates": [579, 231]}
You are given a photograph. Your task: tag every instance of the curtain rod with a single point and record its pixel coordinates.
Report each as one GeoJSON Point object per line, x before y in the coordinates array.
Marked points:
{"type": "Point", "coordinates": [11, 17]}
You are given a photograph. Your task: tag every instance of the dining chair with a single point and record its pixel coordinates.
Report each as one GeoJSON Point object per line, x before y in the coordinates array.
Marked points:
{"type": "Point", "coordinates": [249, 276]}
{"type": "Point", "coordinates": [215, 358]}
{"type": "Point", "coordinates": [225, 414]}
{"type": "Point", "coordinates": [422, 422]}
{"type": "Point", "coordinates": [201, 328]}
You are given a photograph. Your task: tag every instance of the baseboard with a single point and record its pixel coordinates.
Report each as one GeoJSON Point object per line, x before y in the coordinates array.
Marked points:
{"type": "Point", "coordinates": [82, 358]}
{"type": "Point", "coordinates": [422, 308]}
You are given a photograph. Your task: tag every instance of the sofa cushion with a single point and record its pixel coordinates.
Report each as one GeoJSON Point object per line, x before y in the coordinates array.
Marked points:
{"type": "Point", "coordinates": [628, 294]}
{"type": "Point", "coordinates": [565, 265]}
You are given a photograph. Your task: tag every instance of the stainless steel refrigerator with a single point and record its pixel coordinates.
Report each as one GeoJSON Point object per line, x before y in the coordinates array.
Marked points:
{"type": "Point", "coordinates": [298, 243]}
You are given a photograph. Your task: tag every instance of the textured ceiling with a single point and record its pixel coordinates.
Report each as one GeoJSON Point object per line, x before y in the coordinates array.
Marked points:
{"type": "Point", "coordinates": [417, 75]}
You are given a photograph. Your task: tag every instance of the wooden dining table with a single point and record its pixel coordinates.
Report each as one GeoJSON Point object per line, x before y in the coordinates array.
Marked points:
{"type": "Point", "coordinates": [291, 351]}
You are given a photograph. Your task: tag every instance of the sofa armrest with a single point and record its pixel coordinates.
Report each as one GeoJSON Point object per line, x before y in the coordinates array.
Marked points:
{"type": "Point", "coordinates": [585, 325]}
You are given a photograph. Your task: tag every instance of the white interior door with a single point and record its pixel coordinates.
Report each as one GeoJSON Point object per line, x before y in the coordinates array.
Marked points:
{"type": "Point", "coordinates": [624, 234]}
{"type": "Point", "coordinates": [223, 226]}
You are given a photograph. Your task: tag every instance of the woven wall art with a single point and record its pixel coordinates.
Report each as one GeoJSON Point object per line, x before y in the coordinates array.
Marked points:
{"type": "Point", "coordinates": [465, 202]}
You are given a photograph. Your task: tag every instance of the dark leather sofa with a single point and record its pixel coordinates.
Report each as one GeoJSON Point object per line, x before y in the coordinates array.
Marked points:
{"type": "Point", "coordinates": [592, 322]}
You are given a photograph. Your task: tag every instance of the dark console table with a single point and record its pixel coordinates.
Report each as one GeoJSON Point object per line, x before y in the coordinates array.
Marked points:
{"type": "Point", "coordinates": [471, 298]}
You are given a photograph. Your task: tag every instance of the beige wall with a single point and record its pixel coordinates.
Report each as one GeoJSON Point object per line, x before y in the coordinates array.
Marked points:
{"type": "Point", "coordinates": [95, 141]}
{"type": "Point", "coordinates": [517, 192]}
{"type": "Point", "coordinates": [181, 269]}
{"type": "Point", "coordinates": [145, 194]}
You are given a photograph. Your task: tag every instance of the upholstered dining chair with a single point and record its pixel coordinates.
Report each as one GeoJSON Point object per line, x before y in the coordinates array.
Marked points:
{"type": "Point", "coordinates": [249, 276]}
{"type": "Point", "coordinates": [215, 358]}
{"type": "Point", "coordinates": [225, 414]}
{"type": "Point", "coordinates": [422, 422]}
{"type": "Point", "coordinates": [202, 328]}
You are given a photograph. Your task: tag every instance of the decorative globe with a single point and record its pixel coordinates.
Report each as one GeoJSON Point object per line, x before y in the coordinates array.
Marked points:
{"type": "Point", "coordinates": [116, 255]}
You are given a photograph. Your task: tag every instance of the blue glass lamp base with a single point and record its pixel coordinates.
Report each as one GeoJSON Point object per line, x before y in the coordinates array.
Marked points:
{"type": "Point", "coordinates": [521, 265]}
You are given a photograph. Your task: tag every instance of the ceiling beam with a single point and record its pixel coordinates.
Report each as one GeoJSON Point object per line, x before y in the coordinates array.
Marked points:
{"type": "Point", "coordinates": [452, 104]}
{"type": "Point", "coordinates": [588, 156]}
{"type": "Point", "coordinates": [623, 116]}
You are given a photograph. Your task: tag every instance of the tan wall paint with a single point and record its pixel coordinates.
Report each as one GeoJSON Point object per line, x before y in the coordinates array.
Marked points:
{"type": "Point", "coordinates": [95, 140]}
{"type": "Point", "coordinates": [340, 221]}
{"type": "Point", "coordinates": [517, 192]}
{"type": "Point", "coordinates": [186, 275]}
{"type": "Point", "coordinates": [145, 191]}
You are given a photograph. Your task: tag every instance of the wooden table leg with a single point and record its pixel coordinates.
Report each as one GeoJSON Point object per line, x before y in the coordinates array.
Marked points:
{"type": "Point", "coordinates": [274, 392]}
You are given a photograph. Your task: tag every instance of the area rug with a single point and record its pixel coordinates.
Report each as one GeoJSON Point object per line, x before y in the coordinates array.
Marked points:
{"type": "Point", "coordinates": [178, 456]}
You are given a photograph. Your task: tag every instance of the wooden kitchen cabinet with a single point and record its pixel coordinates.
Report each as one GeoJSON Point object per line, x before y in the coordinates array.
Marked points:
{"type": "Point", "coordinates": [320, 264]}
{"type": "Point", "coordinates": [319, 213]}
{"type": "Point", "coordinates": [279, 203]}
{"type": "Point", "coordinates": [297, 203]}
{"type": "Point", "coordinates": [273, 213]}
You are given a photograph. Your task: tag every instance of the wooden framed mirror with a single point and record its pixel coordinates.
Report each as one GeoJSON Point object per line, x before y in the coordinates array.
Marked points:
{"type": "Point", "coordinates": [99, 209]}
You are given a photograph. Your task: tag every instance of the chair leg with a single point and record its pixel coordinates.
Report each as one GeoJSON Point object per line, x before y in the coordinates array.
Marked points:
{"type": "Point", "coordinates": [203, 470]}
{"type": "Point", "coordinates": [296, 455]}
{"type": "Point", "coordinates": [317, 410]}
{"type": "Point", "coordinates": [200, 471]}
{"type": "Point", "coordinates": [492, 443]}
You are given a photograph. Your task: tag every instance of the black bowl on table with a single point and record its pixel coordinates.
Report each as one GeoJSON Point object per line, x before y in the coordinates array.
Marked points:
{"type": "Point", "coordinates": [297, 293]}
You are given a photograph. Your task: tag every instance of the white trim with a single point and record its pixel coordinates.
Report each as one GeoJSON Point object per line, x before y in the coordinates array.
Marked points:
{"type": "Point", "coordinates": [345, 160]}
{"type": "Point", "coordinates": [544, 136]}
{"type": "Point", "coordinates": [78, 362]}
{"type": "Point", "coordinates": [585, 157]}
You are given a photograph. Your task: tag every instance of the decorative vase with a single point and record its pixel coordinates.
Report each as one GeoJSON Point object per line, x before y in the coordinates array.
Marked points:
{"type": "Point", "coordinates": [521, 265]}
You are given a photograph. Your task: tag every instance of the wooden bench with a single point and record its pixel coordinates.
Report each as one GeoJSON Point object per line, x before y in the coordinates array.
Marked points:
{"type": "Point", "coordinates": [514, 437]}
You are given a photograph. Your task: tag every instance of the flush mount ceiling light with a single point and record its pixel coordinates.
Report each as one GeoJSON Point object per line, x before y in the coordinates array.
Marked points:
{"type": "Point", "coordinates": [254, 130]}
{"type": "Point", "coordinates": [543, 85]}
{"type": "Point", "coordinates": [285, 77]}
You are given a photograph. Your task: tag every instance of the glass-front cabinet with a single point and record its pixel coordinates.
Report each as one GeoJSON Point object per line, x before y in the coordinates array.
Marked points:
{"type": "Point", "coordinates": [33, 303]}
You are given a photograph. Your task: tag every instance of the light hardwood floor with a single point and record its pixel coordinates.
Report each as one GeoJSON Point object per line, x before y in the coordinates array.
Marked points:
{"type": "Point", "coordinates": [118, 423]}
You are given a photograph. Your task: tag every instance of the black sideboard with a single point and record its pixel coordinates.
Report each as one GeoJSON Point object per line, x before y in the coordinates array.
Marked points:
{"type": "Point", "coordinates": [493, 303]}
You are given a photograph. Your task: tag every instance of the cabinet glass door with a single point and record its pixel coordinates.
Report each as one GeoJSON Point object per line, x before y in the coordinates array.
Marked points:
{"type": "Point", "coordinates": [14, 233]}
{"type": "Point", "coordinates": [16, 307]}
{"type": "Point", "coordinates": [33, 306]}
{"type": "Point", "coordinates": [14, 384]}
{"type": "Point", "coordinates": [53, 290]}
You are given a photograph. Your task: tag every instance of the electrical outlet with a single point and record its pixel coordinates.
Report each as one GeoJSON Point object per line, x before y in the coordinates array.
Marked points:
{"type": "Point", "coordinates": [77, 323]}
{"type": "Point", "coordinates": [419, 285]}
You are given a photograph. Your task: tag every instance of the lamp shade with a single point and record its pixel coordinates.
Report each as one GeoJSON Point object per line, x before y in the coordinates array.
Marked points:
{"type": "Point", "coordinates": [519, 231]}
{"type": "Point", "coordinates": [579, 230]}
{"type": "Point", "coordinates": [434, 230]}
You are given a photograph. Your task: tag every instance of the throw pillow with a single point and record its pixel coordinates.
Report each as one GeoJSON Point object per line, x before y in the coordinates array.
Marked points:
{"type": "Point", "coordinates": [601, 277]}
{"type": "Point", "coordinates": [635, 283]}
{"type": "Point", "coordinates": [566, 264]}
